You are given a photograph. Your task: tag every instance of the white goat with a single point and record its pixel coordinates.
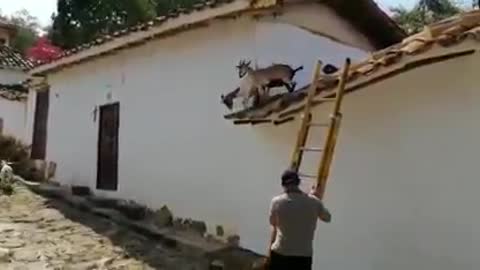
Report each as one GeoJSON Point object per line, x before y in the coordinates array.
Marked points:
{"type": "Point", "coordinates": [249, 88]}
{"type": "Point", "coordinates": [6, 172]}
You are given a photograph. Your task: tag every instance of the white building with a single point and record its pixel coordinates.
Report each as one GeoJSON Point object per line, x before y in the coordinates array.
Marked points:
{"type": "Point", "coordinates": [137, 114]}
{"type": "Point", "coordinates": [13, 95]}
{"type": "Point", "coordinates": [404, 186]}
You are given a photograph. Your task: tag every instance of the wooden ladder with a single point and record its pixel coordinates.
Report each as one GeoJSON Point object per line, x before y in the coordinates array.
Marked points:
{"type": "Point", "coordinates": [332, 129]}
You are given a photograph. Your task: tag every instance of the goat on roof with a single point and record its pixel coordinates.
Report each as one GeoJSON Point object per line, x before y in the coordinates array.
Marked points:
{"type": "Point", "coordinates": [257, 83]}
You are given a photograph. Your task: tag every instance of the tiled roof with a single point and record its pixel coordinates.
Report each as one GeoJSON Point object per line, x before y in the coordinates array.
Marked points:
{"type": "Point", "coordinates": [11, 59]}
{"type": "Point", "coordinates": [364, 15]}
{"type": "Point", "coordinates": [442, 38]}
{"type": "Point", "coordinates": [6, 25]}
{"type": "Point", "coordinates": [14, 92]}
{"type": "Point", "coordinates": [157, 22]}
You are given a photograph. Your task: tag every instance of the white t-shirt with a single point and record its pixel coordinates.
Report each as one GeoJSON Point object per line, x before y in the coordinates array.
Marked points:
{"type": "Point", "coordinates": [297, 214]}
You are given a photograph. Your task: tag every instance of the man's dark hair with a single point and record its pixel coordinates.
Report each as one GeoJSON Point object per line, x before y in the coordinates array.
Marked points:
{"type": "Point", "coordinates": [290, 178]}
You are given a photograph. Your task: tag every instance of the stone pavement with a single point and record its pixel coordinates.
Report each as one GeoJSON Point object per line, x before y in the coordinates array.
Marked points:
{"type": "Point", "coordinates": [38, 233]}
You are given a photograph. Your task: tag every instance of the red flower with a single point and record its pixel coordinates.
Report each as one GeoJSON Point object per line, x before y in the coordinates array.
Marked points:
{"type": "Point", "coordinates": [43, 51]}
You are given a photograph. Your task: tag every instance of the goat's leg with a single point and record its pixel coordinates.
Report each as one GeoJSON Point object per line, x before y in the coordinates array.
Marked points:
{"type": "Point", "coordinates": [266, 90]}
{"type": "Point", "coordinates": [256, 100]}
{"type": "Point", "coordinates": [292, 86]}
{"type": "Point", "coordinates": [258, 96]}
{"type": "Point", "coordinates": [289, 84]}
{"type": "Point", "coordinates": [245, 103]}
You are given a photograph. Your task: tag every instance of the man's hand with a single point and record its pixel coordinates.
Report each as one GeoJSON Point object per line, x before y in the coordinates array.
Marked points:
{"type": "Point", "coordinates": [314, 192]}
{"type": "Point", "coordinates": [325, 216]}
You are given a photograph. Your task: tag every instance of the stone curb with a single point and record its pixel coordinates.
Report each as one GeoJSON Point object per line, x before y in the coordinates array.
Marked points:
{"type": "Point", "coordinates": [166, 236]}
{"type": "Point", "coordinates": [83, 204]}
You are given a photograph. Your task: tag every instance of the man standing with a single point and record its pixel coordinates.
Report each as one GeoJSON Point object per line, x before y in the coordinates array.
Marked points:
{"type": "Point", "coordinates": [293, 216]}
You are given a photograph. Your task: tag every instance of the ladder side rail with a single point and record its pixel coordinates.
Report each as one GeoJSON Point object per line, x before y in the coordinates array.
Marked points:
{"type": "Point", "coordinates": [306, 119]}
{"type": "Point", "coordinates": [330, 142]}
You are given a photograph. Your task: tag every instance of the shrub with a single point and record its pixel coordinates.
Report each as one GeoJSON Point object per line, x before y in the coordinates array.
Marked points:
{"type": "Point", "coordinates": [13, 150]}
{"type": "Point", "coordinates": [6, 188]}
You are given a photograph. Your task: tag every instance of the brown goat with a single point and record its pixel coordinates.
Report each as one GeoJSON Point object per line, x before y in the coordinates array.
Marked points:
{"type": "Point", "coordinates": [263, 76]}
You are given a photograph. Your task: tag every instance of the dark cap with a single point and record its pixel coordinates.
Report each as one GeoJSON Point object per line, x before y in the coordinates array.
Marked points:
{"type": "Point", "coordinates": [290, 177]}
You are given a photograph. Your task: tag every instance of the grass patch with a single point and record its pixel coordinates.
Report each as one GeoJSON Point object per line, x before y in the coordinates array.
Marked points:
{"type": "Point", "coordinates": [6, 188]}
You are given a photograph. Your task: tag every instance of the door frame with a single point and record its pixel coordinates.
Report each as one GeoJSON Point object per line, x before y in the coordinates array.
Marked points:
{"type": "Point", "coordinates": [100, 183]}
{"type": "Point", "coordinates": [40, 125]}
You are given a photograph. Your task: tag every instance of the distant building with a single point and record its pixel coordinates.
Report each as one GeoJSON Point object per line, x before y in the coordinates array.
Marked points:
{"type": "Point", "coordinates": [13, 91]}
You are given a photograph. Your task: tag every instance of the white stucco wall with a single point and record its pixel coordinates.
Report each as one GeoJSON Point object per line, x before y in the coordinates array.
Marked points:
{"type": "Point", "coordinates": [10, 76]}
{"type": "Point", "coordinates": [172, 118]}
{"type": "Point", "coordinates": [322, 20]}
{"type": "Point", "coordinates": [403, 191]}
{"type": "Point", "coordinates": [13, 114]}
{"type": "Point", "coordinates": [30, 116]}
{"type": "Point", "coordinates": [404, 184]}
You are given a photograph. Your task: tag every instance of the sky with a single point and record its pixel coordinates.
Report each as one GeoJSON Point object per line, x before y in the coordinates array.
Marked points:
{"type": "Point", "coordinates": [43, 9]}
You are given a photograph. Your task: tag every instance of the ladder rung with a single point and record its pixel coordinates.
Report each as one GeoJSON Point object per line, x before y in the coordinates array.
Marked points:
{"type": "Point", "coordinates": [307, 175]}
{"type": "Point", "coordinates": [319, 124]}
{"type": "Point", "coordinates": [311, 149]}
{"type": "Point", "coordinates": [325, 99]}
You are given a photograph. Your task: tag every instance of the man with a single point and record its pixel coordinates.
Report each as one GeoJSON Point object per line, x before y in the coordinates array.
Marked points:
{"type": "Point", "coordinates": [293, 216]}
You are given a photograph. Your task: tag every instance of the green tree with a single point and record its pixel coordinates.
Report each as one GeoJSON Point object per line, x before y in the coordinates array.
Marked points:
{"type": "Point", "coordinates": [424, 13]}
{"type": "Point", "coordinates": [27, 29]}
{"type": "Point", "coordinates": [162, 7]}
{"type": "Point", "coordinates": [79, 21]}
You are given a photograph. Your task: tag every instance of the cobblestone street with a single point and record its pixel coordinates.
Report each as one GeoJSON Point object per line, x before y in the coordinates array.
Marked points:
{"type": "Point", "coordinates": [38, 233]}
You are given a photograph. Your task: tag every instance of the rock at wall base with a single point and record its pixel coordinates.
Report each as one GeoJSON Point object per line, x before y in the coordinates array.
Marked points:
{"type": "Point", "coordinates": [103, 202]}
{"type": "Point", "coordinates": [163, 217]}
{"type": "Point", "coordinates": [131, 209]}
{"type": "Point", "coordinates": [81, 191]}
{"type": "Point", "coordinates": [199, 227]}
{"type": "Point", "coordinates": [236, 258]}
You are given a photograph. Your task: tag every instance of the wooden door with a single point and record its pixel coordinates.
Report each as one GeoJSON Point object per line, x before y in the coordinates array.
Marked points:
{"type": "Point", "coordinates": [39, 140]}
{"type": "Point", "coordinates": [107, 160]}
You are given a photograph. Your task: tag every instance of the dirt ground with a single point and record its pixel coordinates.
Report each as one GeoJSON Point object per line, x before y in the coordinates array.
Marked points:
{"type": "Point", "coordinates": [37, 233]}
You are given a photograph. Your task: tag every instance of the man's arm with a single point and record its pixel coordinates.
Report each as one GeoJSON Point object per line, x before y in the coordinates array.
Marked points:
{"type": "Point", "coordinates": [273, 218]}
{"type": "Point", "coordinates": [323, 213]}
{"type": "Point", "coordinates": [273, 222]}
